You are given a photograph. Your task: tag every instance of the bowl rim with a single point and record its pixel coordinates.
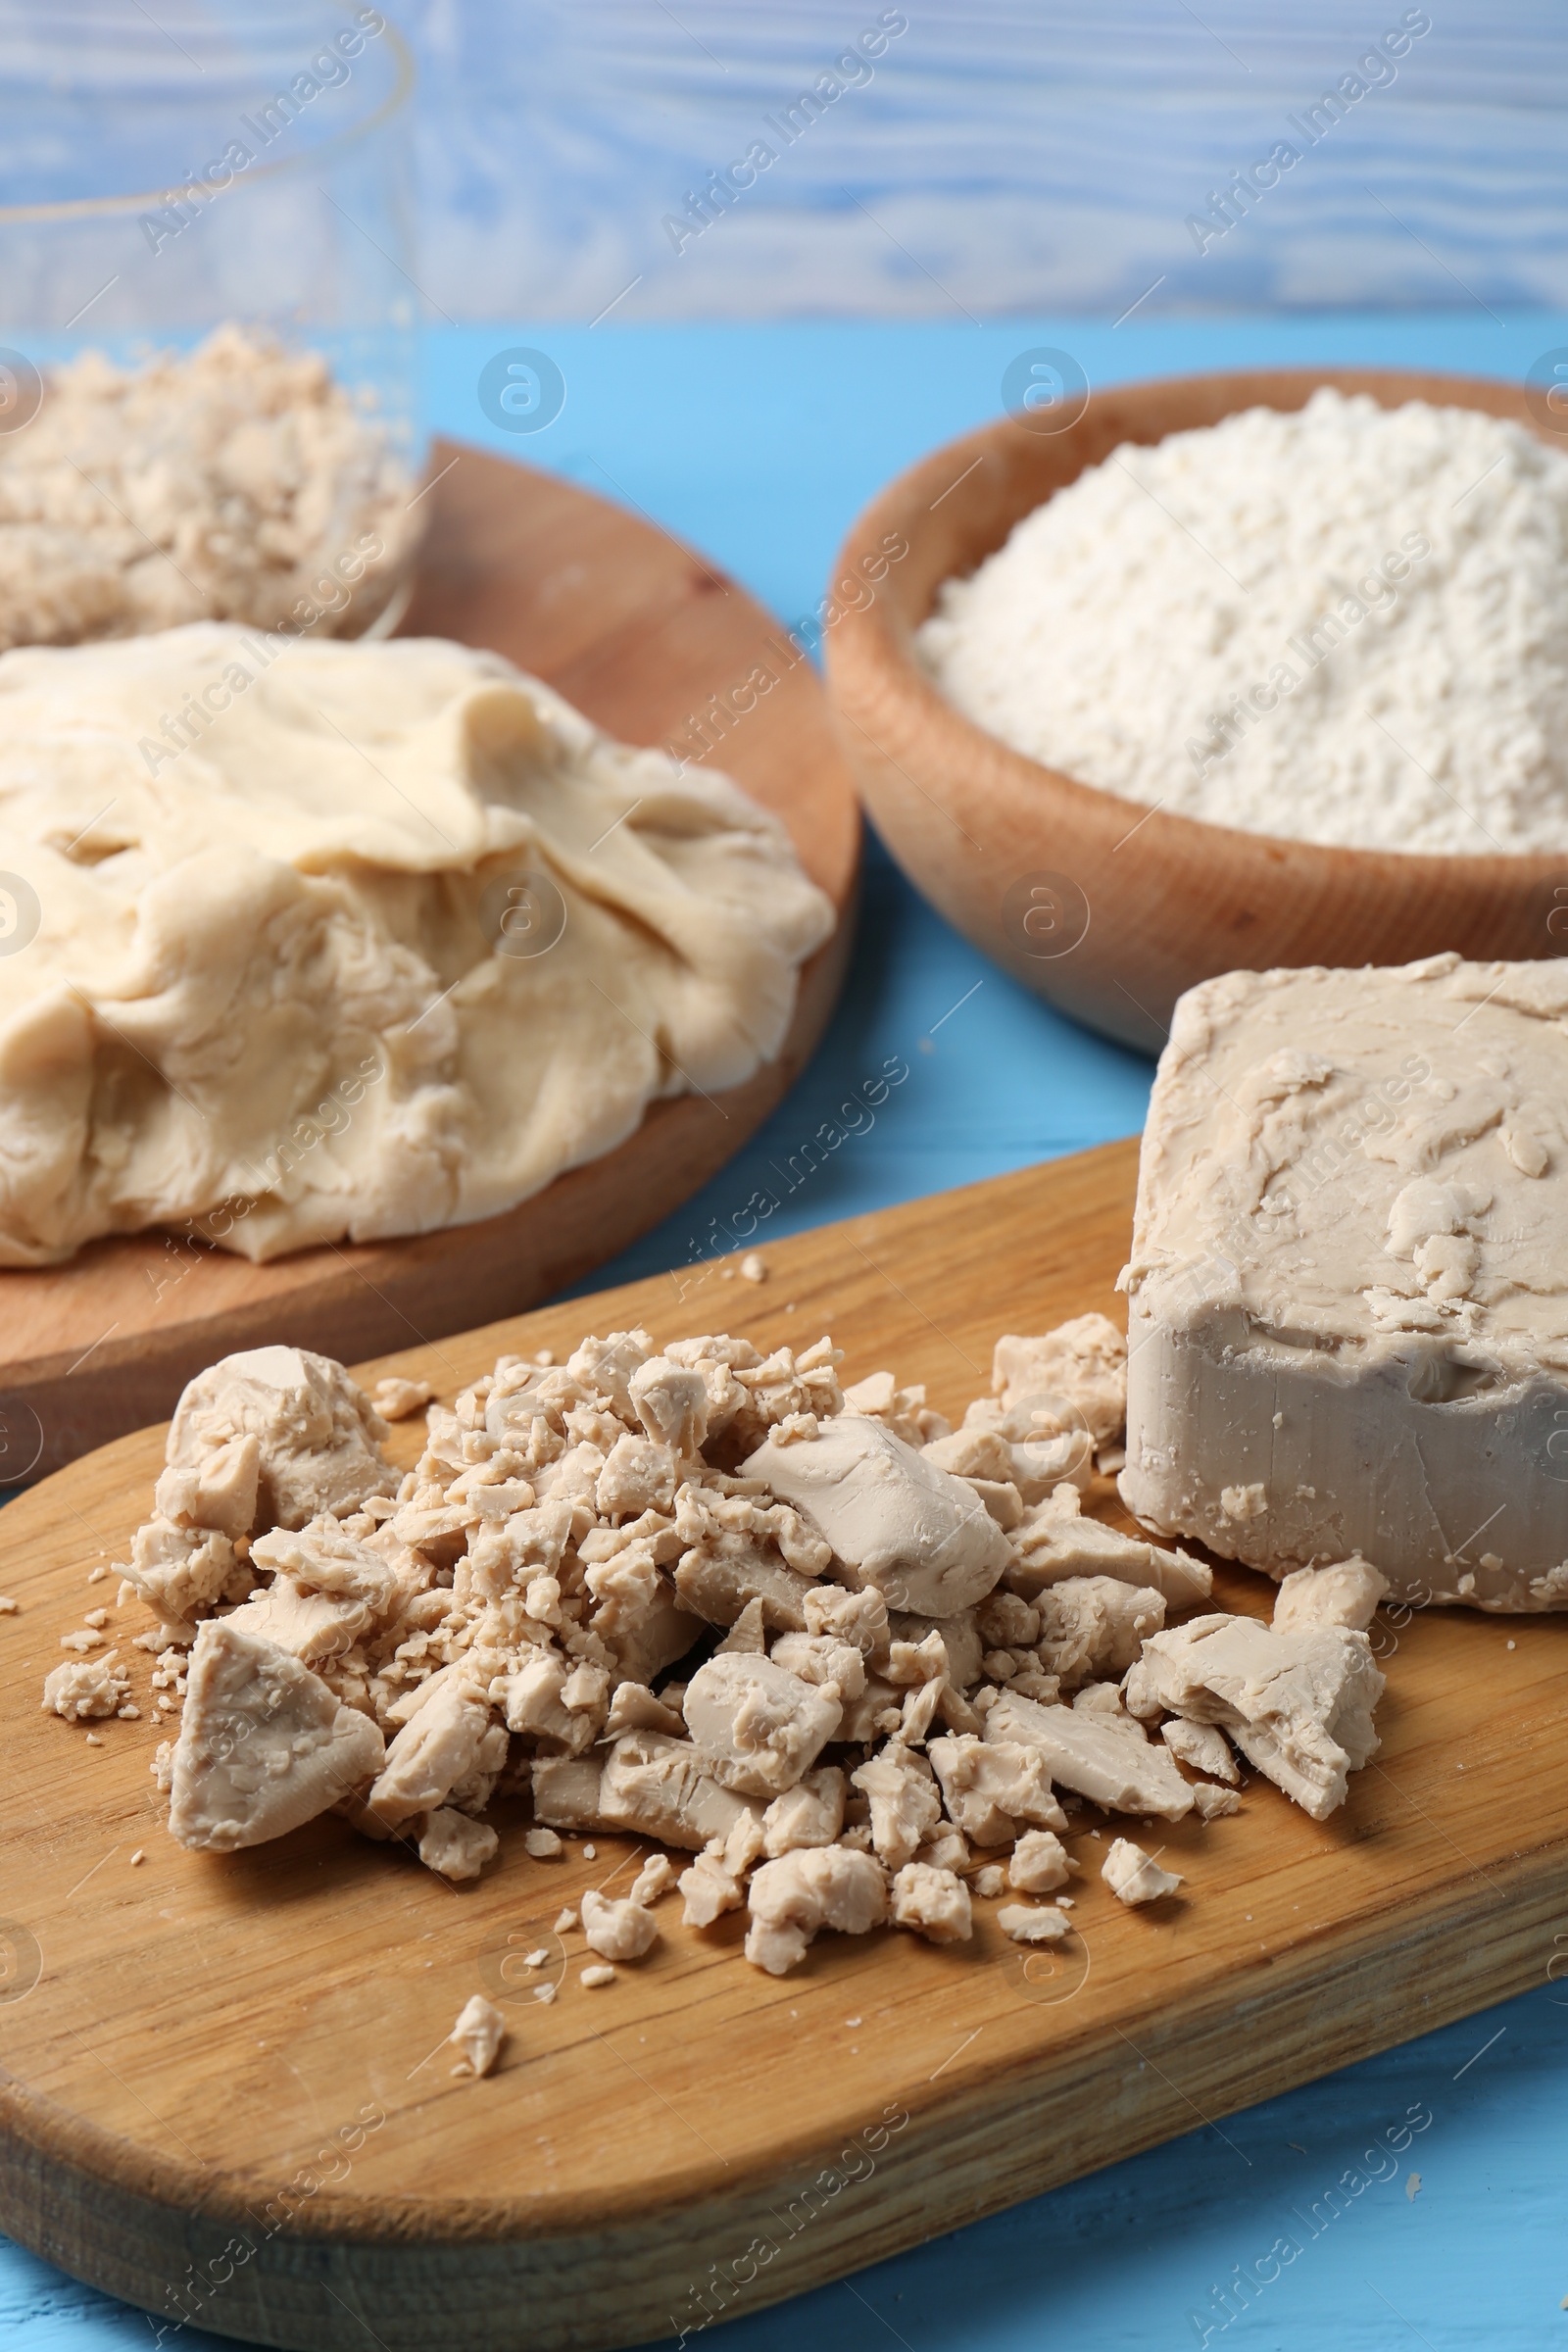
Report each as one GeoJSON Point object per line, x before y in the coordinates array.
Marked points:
{"type": "Point", "coordinates": [880, 635]}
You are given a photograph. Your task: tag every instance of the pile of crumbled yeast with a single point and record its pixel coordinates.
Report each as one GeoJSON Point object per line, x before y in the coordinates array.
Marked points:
{"type": "Point", "coordinates": [224, 484]}
{"type": "Point", "coordinates": [854, 1663]}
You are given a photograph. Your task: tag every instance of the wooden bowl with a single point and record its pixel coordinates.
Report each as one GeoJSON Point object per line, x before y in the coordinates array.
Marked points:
{"type": "Point", "coordinates": [1105, 916]}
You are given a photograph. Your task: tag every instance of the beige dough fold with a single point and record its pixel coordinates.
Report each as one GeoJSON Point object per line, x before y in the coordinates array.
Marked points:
{"type": "Point", "coordinates": [319, 941]}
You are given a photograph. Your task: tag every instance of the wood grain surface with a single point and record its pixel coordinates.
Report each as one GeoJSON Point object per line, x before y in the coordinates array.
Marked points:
{"type": "Point", "coordinates": [195, 2051]}
{"type": "Point", "coordinates": [1106, 909]}
{"type": "Point", "coordinates": [637, 631]}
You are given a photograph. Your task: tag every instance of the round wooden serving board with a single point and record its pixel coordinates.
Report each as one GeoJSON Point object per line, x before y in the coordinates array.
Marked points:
{"type": "Point", "coordinates": [643, 635]}
{"type": "Point", "coordinates": [225, 2089]}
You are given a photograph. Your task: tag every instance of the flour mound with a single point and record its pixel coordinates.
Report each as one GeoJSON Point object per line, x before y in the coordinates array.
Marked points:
{"type": "Point", "coordinates": [1344, 624]}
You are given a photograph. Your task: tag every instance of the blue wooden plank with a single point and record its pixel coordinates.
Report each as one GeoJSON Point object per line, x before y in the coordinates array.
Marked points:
{"type": "Point", "coordinates": [1015, 155]}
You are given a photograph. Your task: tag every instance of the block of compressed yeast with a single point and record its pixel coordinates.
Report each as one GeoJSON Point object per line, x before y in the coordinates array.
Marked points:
{"type": "Point", "coordinates": [1349, 1286]}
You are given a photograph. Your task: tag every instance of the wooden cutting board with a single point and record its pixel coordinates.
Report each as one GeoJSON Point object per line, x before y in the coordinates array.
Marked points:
{"type": "Point", "coordinates": [225, 2091]}
{"type": "Point", "coordinates": [641, 634]}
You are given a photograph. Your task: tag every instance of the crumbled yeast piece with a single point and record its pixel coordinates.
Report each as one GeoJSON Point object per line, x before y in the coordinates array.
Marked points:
{"type": "Point", "coordinates": [537, 1699]}
{"type": "Point", "coordinates": [212, 1486]}
{"type": "Point", "coordinates": [1210, 1802]}
{"type": "Point", "coordinates": [655, 1878]}
{"type": "Point", "coordinates": [1133, 1877]}
{"type": "Point", "coordinates": [975, 1454]}
{"type": "Point", "coordinates": [456, 1845]}
{"type": "Point", "coordinates": [1084, 1361]}
{"type": "Point", "coordinates": [1104, 1699]}
{"type": "Point", "coordinates": [1027, 1923]}
{"type": "Point", "coordinates": [1203, 1745]}
{"type": "Point", "coordinates": [268, 1438]}
{"type": "Point", "coordinates": [640, 1474]}
{"type": "Point", "coordinates": [748, 1633]}
{"type": "Point", "coordinates": [566, 1790]}
{"type": "Point", "coordinates": [989, 1880]}
{"type": "Point", "coordinates": [449, 1742]}
{"type": "Point", "coordinates": [812, 1813]}
{"type": "Point", "coordinates": [878, 1710]}
{"type": "Point", "coordinates": [716, 1882]}
{"type": "Point", "coordinates": [709, 1889]}
{"type": "Point", "coordinates": [1039, 1863]}
{"type": "Point", "coordinates": [895, 1522]}
{"type": "Point", "coordinates": [182, 1572]}
{"type": "Point", "coordinates": [81, 1689]}
{"type": "Point", "coordinates": [478, 2033]}
{"type": "Point", "coordinates": [617, 1931]}
{"type": "Point", "coordinates": [760, 1726]}
{"type": "Point", "coordinates": [596, 1975]}
{"type": "Point", "coordinates": [793, 1899]}
{"type": "Point", "coordinates": [662, 1789]}
{"type": "Point", "coordinates": [633, 1707]}
{"type": "Point", "coordinates": [1346, 1594]}
{"type": "Point", "coordinates": [543, 1844]}
{"type": "Point", "coordinates": [923, 1661]}
{"type": "Point", "coordinates": [728, 1567]}
{"type": "Point", "coordinates": [8, 1605]}
{"type": "Point", "coordinates": [1297, 1706]}
{"type": "Point", "coordinates": [904, 1803]}
{"type": "Point", "coordinates": [313, 1626]}
{"type": "Point", "coordinates": [1095, 1625]}
{"type": "Point", "coordinates": [1056, 1541]}
{"type": "Point", "coordinates": [904, 1411]}
{"type": "Point", "coordinates": [264, 1744]}
{"type": "Point", "coordinates": [946, 1849]}
{"type": "Point", "coordinates": [919, 1711]}
{"type": "Point", "coordinates": [990, 1786]}
{"type": "Point", "coordinates": [1006, 1621]}
{"type": "Point", "coordinates": [934, 1902]}
{"type": "Point", "coordinates": [1096, 1755]}
{"type": "Point", "coordinates": [990, 1468]}
{"type": "Point", "coordinates": [318, 1437]}
{"type": "Point", "coordinates": [396, 1399]}
{"type": "Point", "coordinates": [1034, 1446]}
{"type": "Point", "coordinates": [823, 1659]}
{"type": "Point", "coordinates": [324, 1557]}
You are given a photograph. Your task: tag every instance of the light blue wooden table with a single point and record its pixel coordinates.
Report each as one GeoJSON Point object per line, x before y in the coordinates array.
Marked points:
{"type": "Point", "coordinates": [759, 444]}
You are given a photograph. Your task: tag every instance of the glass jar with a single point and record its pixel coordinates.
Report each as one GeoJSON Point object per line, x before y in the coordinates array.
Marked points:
{"type": "Point", "coordinates": [166, 177]}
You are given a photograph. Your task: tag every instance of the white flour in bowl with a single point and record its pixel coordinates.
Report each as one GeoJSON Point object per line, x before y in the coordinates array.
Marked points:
{"type": "Point", "coordinates": [1344, 624]}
